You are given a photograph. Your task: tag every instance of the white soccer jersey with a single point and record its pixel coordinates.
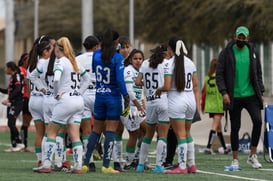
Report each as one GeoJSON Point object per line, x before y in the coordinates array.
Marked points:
{"type": "Point", "coordinates": [69, 81]}
{"type": "Point", "coordinates": [36, 96]}
{"type": "Point", "coordinates": [189, 70]}
{"type": "Point", "coordinates": [69, 107]}
{"type": "Point", "coordinates": [86, 60]}
{"type": "Point", "coordinates": [182, 105]}
{"type": "Point", "coordinates": [37, 79]}
{"type": "Point", "coordinates": [135, 92]}
{"type": "Point", "coordinates": [157, 106]}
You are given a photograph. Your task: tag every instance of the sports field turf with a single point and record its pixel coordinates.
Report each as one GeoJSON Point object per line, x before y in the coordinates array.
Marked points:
{"type": "Point", "coordinates": [18, 166]}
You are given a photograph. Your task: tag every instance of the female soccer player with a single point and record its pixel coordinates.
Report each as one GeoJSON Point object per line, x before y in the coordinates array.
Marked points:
{"type": "Point", "coordinates": [108, 67]}
{"type": "Point", "coordinates": [181, 82]}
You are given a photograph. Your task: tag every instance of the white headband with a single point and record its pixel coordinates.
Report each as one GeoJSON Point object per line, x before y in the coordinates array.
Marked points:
{"type": "Point", "coordinates": [180, 44]}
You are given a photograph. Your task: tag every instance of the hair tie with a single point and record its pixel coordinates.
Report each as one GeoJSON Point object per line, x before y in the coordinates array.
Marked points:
{"type": "Point", "coordinates": [180, 44]}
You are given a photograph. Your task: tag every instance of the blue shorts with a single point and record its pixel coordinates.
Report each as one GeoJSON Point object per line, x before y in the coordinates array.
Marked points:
{"type": "Point", "coordinates": [107, 108]}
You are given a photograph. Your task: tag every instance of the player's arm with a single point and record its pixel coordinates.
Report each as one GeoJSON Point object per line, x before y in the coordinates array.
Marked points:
{"type": "Point", "coordinates": [34, 78]}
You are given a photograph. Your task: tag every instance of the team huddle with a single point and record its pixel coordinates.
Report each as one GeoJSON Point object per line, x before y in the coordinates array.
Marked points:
{"type": "Point", "coordinates": [119, 89]}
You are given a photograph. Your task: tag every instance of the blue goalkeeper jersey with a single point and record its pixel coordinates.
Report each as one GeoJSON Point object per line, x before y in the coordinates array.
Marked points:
{"type": "Point", "coordinates": [109, 77]}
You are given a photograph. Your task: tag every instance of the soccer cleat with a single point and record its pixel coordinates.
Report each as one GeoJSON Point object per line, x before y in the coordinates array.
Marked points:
{"type": "Point", "coordinates": [66, 164]}
{"type": "Point", "coordinates": [118, 167]}
{"type": "Point", "coordinates": [233, 167]}
{"type": "Point", "coordinates": [235, 164]}
{"type": "Point", "coordinates": [39, 163]}
{"type": "Point", "coordinates": [192, 169]}
{"type": "Point", "coordinates": [209, 151]}
{"type": "Point", "coordinates": [253, 161]}
{"type": "Point", "coordinates": [109, 170]}
{"type": "Point", "coordinates": [167, 166]}
{"type": "Point", "coordinates": [148, 166]}
{"type": "Point", "coordinates": [227, 151]}
{"type": "Point", "coordinates": [177, 170]}
{"type": "Point", "coordinates": [18, 148]}
{"type": "Point", "coordinates": [92, 167]}
{"type": "Point", "coordinates": [159, 169]}
{"type": "Point", "coordinates": [42, 169]}
{"type": "Point", "coordinates": [140, 168]}
{"type": "Point", "coordinates": [75, 171]}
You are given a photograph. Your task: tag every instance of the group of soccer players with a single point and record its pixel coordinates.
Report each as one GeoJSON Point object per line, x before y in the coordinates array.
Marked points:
{"type": "Point", "coordinates": [117, 87]}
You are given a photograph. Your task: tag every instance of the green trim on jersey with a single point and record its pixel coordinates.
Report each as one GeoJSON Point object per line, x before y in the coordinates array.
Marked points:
{"type": "Point", "coordinates": [58, 70]}
{"type": "Point", "coordinates": [168, 74]}
{"type": "Point", "coordinates": [38, 70]}
{"type": "Point", "coordinates": [129, 82]}
{"type": "Point", "coordinates": [84, 72]}
{"type": "Point", "coordinates": [242, 82]}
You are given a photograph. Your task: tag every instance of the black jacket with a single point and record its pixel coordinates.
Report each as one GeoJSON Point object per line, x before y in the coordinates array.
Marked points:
{"type": "Point", "coordinates": [225, 73]}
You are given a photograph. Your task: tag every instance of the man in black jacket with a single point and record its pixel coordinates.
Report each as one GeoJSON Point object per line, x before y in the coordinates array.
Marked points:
{"type": "Point", "coordinates": [239, 79]}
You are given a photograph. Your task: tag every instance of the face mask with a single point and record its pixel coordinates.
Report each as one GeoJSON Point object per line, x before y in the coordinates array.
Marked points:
{"type": "Point", "coordinates": [240, 44]}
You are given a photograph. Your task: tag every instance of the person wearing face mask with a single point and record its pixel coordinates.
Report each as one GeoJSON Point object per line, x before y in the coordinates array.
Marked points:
{"type": "Point", "coordinates": [239, 80]}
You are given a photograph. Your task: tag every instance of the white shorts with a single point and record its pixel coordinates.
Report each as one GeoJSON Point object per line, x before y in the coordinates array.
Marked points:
{"type": "Point", "coordinates": [89, 100]}
{"type": "Point", "coordinates": [68, 110]}
{"type": "Point", "coordinates": [133, 120]}
{"type": "Point", "coordinates": [49, 104]}
{"type": "Point", "coordinates": [35, 107]}
{"type": "Point", "coordinates": [157, 111]}
{"type": "Point", "coordinates": [181, 105]}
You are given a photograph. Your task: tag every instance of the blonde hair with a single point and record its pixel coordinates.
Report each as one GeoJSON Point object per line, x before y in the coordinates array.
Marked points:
{"type": "Point", "coordinates": [65, 46]}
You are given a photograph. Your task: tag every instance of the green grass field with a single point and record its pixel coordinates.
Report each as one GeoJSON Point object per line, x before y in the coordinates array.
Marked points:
{"type": "Point", "coordinates": [18, 166]}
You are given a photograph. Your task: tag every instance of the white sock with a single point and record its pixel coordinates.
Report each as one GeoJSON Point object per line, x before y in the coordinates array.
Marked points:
{"type": "Point", "coordinates": [191, 153]}
{"type": "Point", "coordinates": [49, 150]}
{"type": "Point", "coordinates": [59, 151]}
{"type": "Point", "coordinates": [129, 157]}
{"type": "Point", "coordinates": [143, 152]}
{"type": "Point", "coordinates": [161, 151]}
{"type": "Point", "coordinates": [43, 147]}
{"type": "Point", "coordinates": [77, 155]}
{"type": "Point", "coordinates": [182, 153]}
{"type": "Point", "coordinates": [117, 151]}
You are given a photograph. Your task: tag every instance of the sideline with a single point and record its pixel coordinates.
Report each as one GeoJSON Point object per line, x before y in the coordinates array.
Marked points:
{"type": "Point", "coordinates": [232, 176]}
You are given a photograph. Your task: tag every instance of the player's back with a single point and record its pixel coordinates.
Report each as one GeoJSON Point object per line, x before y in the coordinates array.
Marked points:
{"type": "Point", "coordinates": [108, 76]}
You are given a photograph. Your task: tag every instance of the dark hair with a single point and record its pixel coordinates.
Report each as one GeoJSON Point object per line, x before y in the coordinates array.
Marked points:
{"type": "Point", "coordinates": [23, 58]}
{"type": "Point", "coordinates": [179, 69]}
{"type": "Point", "coordinates": [123, 40]}
{"type": "Point", "coordinates": [12, 65]}
{"type": "Point", "coordinates": [107, 45]}
{"type": "Point", "coordinates": [127, 61]}
{"type": "Point", "coordinates": [40, 44]}
{"type": "Point", "coordinates": [212, 67]}
{"type": "Point", "coordinates": [90, 42]}
{"type": "Point", "coordinates": [157, 56]}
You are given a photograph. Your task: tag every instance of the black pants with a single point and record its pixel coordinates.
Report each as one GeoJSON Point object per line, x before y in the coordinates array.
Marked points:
{"type": "Point", "coordinates": [12, 113]}
{"type": "Point", "coordinates": [251, 104]}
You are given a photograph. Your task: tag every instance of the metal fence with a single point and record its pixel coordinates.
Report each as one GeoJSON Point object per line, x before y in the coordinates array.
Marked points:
{"type": "Point", "coordinates": [203, 55]}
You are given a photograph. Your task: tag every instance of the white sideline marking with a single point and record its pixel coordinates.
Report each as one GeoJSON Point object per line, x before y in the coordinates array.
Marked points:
{"type": "Point", "coordinates": [266, 169]}
{"type": "Point", "coordinates": [233, 176]}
